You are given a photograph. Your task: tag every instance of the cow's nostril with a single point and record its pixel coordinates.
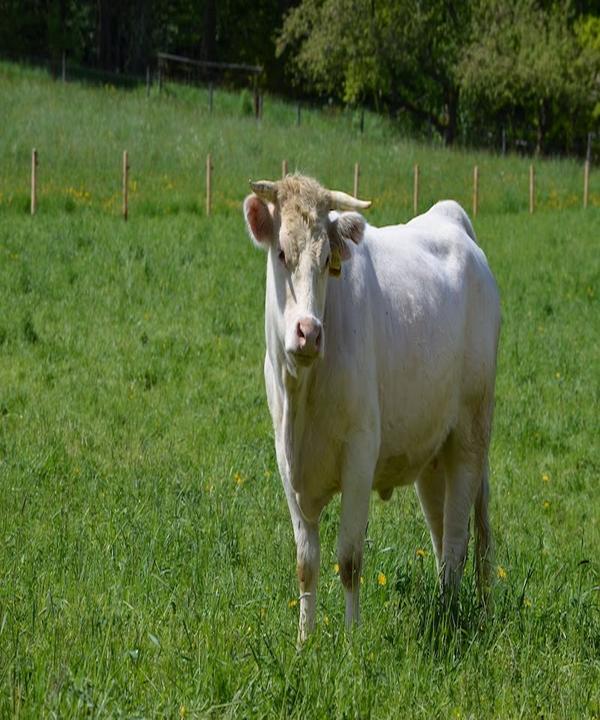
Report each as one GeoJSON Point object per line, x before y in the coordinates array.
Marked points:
{"type": "Point", "coordinates": [299, 331]}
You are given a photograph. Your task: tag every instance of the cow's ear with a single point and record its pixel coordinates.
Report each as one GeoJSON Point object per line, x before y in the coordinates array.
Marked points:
{"type": "Point", "coordinates": [349, 227]}
{"type": "Point", "coordinates": [259, 221]}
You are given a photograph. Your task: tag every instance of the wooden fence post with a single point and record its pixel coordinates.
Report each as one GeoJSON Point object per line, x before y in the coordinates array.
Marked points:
{"type": "Point", "coordinates": [475, 190]}
{"type": "Point", "coordinates": [209, 168]}
{"type": "Point", "coordinates": [284, 168]}
{"type": "Point", "coordinates": [147, 80]}
{"type": "Point", "coordinates": [356, 178]}
{"type": "Point", "coordinates": [586, 182]}
{"type": "Point", "coordinates": [586, 171]}
{"type": "Point", "coordinates": [34, 164]}
{"type": "Point", "coordinates": [210, 97]}
{"type": "Point", "coordinates": [531, 188]}
{"type": "Point", "coordinates": [64, 67]}
{"type": "Point", "coordinates": [298, 114]}
{"type": "Point", "coordinates": [416, 189]}
{"type": "Point", "coordinates": [125, 185]}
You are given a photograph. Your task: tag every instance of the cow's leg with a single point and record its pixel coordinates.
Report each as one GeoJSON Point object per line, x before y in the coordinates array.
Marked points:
{"type": "Point", "coordinates": [357, 478]}
{"type": "Point", "coordinates": [306, 535]}
{"type": "Point", "coordinates": [431, 491]}
{"type": "Point", "coordinates": [483, 539]}
{"type": "Point", "coordinates": [464, 467]}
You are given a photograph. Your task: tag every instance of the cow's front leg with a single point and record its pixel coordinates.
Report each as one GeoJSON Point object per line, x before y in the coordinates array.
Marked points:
{"type": "Point", "coordinates": [306, 535]}
{"type": "Point", "coordinates": [357, 479]}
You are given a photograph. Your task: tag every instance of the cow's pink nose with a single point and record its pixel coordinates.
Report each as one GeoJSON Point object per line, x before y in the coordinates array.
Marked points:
{"type": "Point", "coordinates": [309, 332]}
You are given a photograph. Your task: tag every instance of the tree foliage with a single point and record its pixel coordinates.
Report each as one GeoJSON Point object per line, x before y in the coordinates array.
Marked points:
{"type": "Point", "coordinates": [529, 66]}
{"type": "Point", "coordinates": [525, 64]}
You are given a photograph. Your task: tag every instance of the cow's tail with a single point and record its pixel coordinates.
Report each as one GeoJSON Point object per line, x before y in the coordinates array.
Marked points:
{"type": "Point", "coordinates": [483, 540]}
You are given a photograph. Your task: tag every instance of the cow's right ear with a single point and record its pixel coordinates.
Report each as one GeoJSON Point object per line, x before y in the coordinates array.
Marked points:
{"type": "Point", "coordinates": [259, 221]}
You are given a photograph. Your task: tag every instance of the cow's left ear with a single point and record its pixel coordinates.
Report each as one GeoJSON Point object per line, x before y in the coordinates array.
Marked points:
{"type": "Point", "coordinates": [345, 228]}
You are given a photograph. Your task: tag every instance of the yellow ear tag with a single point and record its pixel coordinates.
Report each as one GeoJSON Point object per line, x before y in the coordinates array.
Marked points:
{"type": "Point", "coordinates": [335, 263]}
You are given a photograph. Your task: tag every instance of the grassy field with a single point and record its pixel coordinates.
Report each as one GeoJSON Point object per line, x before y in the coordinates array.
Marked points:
{"type": "Point", "coordinates": [147, 566]}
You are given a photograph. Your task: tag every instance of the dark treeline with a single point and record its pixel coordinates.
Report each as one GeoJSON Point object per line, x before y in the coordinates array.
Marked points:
{"type": "Point", "coordinates": [485, 72]}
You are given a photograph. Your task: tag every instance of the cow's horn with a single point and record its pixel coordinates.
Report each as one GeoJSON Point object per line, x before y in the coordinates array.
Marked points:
{"type": "Point", "coordinates": [342, 201]}
{"type": "Point", "coordinates": [265, 189]}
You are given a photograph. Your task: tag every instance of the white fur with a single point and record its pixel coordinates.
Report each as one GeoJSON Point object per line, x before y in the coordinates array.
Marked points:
{"type": "Point", "coordinates": [402, 394]}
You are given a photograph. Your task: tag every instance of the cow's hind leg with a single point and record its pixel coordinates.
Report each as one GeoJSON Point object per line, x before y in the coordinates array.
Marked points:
{"type": "Point", "coordinates": [431, 490]}
{"type": "Point", "coordinates": [483, 539]}
{"type": "Point", "coordinates": [465, 460]}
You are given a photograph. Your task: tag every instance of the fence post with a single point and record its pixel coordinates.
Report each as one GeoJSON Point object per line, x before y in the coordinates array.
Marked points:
{"type": "Point", "coordinates": [298, 111]}
{"type": "Point", "coordinates": [210, 97]}
{"type": "Point", "coordinates": [160, 80]}
{"type": "Point", "coordinates": [209, 168]}
{"type": "Point", "coordinates": [284, 168]}
{"type": "Point", "coordinates": [256, 103]}
{"type": "Point", "coordinates": [586, 182]}
{"type": "Point", "coordinates": [147, 80]}
{"type": "Point", "coordinates": [34, 164]}
{"type": "Point", "coordinates": [362, 120]}
{"type": "Point", "coordinates": [416, 189]}
{"type": "Point", "coordinates": [356, 178]}
{"type": "Point", "coordinates": [475, 190]}
{"type": "Point", "coordinates": [531, 189]}
{"type": "Point", "coordinates": [586, 171]}
{"type": "Point", "coordinates": [503, 141]}
{"type": "Point", "coordinates": [125, 185]}
{"type": "Point", "coordinates": [64, 66]}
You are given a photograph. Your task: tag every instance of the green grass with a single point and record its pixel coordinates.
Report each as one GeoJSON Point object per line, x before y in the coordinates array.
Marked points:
{"type": "Point", "coordinates": [147, 566]}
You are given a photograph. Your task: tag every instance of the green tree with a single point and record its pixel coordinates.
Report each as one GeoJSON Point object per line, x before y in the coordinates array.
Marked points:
{"type": "Point", "coordinates": [524, 65]}
{"type": "Point", "coordinates": [398, 54]}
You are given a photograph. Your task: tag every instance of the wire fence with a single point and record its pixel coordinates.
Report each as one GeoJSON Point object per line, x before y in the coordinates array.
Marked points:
{"type": "Point", "coordinates": [82, 197]}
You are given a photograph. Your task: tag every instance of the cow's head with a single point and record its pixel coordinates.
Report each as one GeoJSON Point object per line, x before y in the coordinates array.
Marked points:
{"type": "Point", "coordinates": [291, 219]}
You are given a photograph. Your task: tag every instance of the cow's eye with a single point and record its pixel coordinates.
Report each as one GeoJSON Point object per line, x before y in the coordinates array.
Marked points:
{"type": "Point", "coordinates": [281, 256]}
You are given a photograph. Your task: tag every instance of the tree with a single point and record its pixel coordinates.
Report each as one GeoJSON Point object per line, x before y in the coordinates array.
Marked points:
{"type": "Point", "coordinates": [400, 54]}
{"type": "Point", "coordinates": [524, 65]}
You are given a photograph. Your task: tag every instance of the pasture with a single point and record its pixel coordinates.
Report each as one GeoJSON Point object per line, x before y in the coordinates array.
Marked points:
{"type": "Point", "coordinates": [147, 564]}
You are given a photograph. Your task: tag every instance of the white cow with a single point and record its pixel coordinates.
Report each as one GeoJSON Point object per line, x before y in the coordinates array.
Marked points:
{"type": "Point", "coordinates": [379, 378]}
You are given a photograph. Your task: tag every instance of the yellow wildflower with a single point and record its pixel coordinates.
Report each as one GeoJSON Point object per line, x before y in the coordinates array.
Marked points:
{"type": "Point", "coordinates": [239, 479]}
{"type": "Point", "coordinates": [502, 574]}
{"type": "Point", "coordinates": [421, 553]}
{"type": "Point", "coordinates": [182, 711]}
{"type": "Point", "coordinates": [546, 477]}
{"type": "Point", "coordinates": [381, 579]}
{"type": "Point", "coordinates": [558, 376]}
{"type": "Point", "coordinates": [546, 504]}
{"type": "Point", "coordinates": [292, 603]}
{"type": "Point", "coordinates": [336, 569]}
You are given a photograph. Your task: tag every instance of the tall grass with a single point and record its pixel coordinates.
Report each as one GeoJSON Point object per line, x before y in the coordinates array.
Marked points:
{"type": "Point", "coordinates": [146, 556]}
